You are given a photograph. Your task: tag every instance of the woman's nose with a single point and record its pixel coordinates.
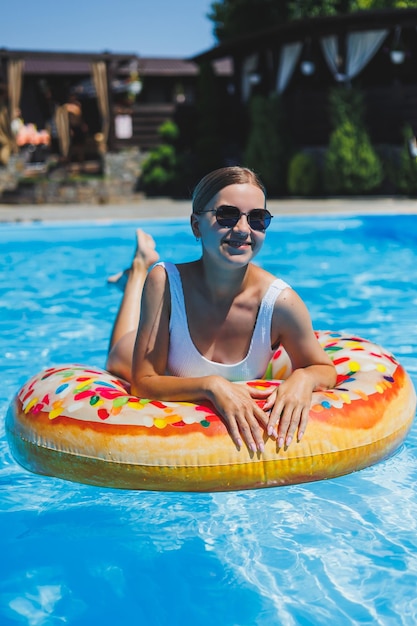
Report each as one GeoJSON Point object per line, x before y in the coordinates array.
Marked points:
{"type": "Point", "coordinates": [242, 225]}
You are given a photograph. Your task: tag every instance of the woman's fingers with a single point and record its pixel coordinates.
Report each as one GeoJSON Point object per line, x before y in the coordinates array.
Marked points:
{"type": "Point", "coordinates": [248, 423]}
{"type": "Point", "coordinates": [290, 412]}
{"type": "Point", "coordinates": [234, 432]}
{"type": "Point", "coordinates": [245, 425]}
{"type": "Point", "coordinates": [303, 422]}
{"type": "Point", "coordinates": [287, 421]}
{"type": "Point", "coordinates": [288, 424]}
{"type": "Point", "coordinates": [245, 420]}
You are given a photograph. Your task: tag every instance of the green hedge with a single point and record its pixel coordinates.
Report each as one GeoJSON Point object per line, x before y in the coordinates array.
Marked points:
{"type": "Point", "coordinates": [351, 165]}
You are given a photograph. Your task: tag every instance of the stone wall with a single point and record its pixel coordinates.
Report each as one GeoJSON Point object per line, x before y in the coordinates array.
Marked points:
{"type": "Point", "coordinates": [12, 173]}
{"type": "Point", "coordinates": [117, 184]}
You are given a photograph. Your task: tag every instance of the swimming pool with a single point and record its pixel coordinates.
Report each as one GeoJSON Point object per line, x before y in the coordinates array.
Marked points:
{"type": "Point", "coordinates": [341, 551]}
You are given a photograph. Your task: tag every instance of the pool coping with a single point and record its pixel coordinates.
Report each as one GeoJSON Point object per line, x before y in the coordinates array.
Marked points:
{"type": "Point", "coordinates": [166, 208]}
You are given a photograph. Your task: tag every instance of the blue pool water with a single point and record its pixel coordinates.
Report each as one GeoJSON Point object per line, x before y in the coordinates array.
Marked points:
{"type": "Point", "coordinates": [342, 551]}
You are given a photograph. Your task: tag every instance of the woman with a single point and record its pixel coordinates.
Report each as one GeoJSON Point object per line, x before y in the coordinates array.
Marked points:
{"type": "Point", "coordinates": [204, 324]}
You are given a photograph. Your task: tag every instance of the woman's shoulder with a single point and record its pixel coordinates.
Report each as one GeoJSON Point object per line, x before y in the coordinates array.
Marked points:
{"type": "Point", "coordinates": [157, 276]}
{"type": "Point", "coordinates": [265, 279]}
{"type": "Point", "coordinates": [164, 269]}
{"type": "Point", "coordinates": [169, 265]}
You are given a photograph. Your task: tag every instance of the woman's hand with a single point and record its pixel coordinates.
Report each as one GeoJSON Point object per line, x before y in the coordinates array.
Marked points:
{"type": "Point", "coordinates": [290, 407]}
{"type": "Point", "coordinates": [313, 369]}
{"type": "Point", "coordinates": [236, 403]}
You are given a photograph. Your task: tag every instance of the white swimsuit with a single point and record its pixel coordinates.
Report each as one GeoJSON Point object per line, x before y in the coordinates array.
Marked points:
{"type": "Point", "coordinates": [186, 361]}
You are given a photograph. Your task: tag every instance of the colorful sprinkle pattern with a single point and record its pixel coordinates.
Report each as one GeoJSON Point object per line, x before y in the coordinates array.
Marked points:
{"type": "Point", "coordinates": [93, 395]}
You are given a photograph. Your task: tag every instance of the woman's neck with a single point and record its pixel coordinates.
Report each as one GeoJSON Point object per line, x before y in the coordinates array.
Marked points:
{"type": "Point", "coordinates": [222, 284]}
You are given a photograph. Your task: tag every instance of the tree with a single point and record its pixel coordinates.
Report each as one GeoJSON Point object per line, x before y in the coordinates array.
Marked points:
{"type": "Point", "coordinates": [351, 164]}
{"type": "Point", "coordinates": [346, 104]}
{"type": "Point", "coordinates": [267, 151]}
{"type": "Point", "coordinates": [232, 18]}
{"type": "Point", "coordinates": [300, 9]}
{"type": "Point", "coordinates": [208, 144]}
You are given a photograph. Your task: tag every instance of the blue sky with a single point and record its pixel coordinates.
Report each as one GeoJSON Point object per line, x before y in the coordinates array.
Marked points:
{"type": "Point", "coordinates": [174, 28]}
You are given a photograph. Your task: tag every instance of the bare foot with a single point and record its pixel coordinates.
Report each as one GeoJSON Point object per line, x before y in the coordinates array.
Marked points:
{"type": "Point", "coordinates": [145, 256]}
{"type": "Point", "coordinates": [145, 249]}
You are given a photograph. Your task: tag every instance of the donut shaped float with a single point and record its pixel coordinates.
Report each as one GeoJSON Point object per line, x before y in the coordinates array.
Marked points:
{"type": "Point", "coordinates": [83, 425]}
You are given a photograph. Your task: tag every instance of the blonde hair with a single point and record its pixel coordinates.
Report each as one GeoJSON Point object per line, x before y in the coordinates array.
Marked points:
{"type": "Point", "coordinates": [217, 180]}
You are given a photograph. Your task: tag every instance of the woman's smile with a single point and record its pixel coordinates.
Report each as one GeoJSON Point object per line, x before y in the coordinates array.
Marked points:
{"type": "Point", "coordinates": [239, 243]}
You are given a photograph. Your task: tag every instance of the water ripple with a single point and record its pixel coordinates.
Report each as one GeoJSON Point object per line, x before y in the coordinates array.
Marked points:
{"type": "Point", "coordinates": [342, 551]}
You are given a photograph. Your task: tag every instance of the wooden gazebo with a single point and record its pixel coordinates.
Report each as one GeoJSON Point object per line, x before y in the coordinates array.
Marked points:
{"type": "Point", "coordinates": [301, 60]}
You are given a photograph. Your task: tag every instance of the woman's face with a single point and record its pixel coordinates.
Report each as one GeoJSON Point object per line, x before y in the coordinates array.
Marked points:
{"type": "Point", "coordinates": [236, 244]}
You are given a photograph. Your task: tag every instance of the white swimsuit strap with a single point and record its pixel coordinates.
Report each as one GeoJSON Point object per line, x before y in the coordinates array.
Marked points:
{"type": "Point", "coordinates": [262, 331]}
{"type": "Point", "coordinates": [177, 293]}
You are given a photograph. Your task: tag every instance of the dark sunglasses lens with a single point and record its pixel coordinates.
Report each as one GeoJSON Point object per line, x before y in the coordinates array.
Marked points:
{"type": "Point", "coordinates": [259, 219]}
{"type": "Point", "coordinates": [227, 216]}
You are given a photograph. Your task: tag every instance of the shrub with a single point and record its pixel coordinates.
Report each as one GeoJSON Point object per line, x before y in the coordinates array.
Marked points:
{"type": "Point", "coordinates": [346, 104]}
{"type": "Point", "coordinates": [267, 148]}
{"type": "Point", "coordinates": [351, 164]}
{"type": "Point", "coordinates": [405, 174]}
{"type": "Point", "coordinates": [169, 132]}
{"type": "Point", "coordinates": [160, 169]}
{"type": "Point", "coordinates": [303, 175]}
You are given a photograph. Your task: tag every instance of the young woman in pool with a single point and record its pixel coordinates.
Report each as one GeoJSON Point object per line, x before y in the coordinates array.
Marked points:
{"type": "Point", "coordinates": [199, 326]}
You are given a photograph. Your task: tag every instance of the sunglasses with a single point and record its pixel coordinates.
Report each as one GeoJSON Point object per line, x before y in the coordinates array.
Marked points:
{"type": "Point", "coordinates": [228, 216]}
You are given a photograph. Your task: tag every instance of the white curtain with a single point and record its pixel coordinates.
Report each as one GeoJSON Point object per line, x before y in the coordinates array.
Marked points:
{"type": "Point", "coordinates": [99, 72]}
{"type": "Point", "coordinates": [249, 67]}
{"type": "Point", "coordinates": [290, 53]}
{"type": "Point", "coordinates": [361, 47]}
{"type": "Point", "coordinates": [14, 90]}
{"type": "Point", "coordinates": [63, 129]}
{"type": "Point", "coordinates": [14, 84]}
{"type": "Point", "coordinates": [330, 50]}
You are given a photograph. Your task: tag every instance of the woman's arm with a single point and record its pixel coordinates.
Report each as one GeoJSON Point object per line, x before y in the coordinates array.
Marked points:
{"type": "Point", "coordinates": [312, 369]}
{"type": "Point", "coordinates": [235, 403]}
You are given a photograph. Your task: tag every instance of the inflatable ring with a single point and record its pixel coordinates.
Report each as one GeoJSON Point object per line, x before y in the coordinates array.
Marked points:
{"type": "Point", "coordinates": [82, 424]}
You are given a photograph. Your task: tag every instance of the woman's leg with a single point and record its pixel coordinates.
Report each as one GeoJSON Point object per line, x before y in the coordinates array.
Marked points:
{"type": "Point", "coordinates": [122, 341]}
